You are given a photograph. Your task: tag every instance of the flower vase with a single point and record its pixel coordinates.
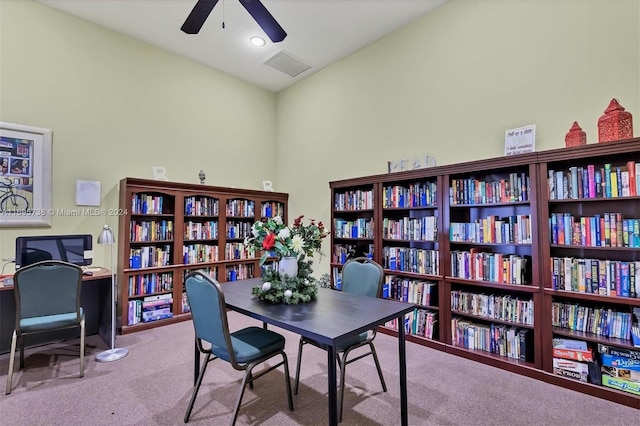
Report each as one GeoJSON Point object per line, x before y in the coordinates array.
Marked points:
{"type": "Point", "coordinates": [288, 266]}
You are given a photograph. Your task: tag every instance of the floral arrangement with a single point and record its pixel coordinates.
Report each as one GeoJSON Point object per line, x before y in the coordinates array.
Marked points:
{"type": "Point", "coordinates": [275, 239]}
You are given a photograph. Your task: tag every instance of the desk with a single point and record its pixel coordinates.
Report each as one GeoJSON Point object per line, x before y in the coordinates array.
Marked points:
{"type": "Point", "coordinates": [95, 299]}
{"type": "Point", "coordinates": [334, 317]}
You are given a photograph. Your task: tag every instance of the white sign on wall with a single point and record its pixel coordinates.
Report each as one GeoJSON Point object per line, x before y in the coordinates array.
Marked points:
{"type": "Point", "coordinates": [520, 140]}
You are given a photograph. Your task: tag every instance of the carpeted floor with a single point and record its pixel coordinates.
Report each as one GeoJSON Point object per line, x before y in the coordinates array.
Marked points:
{"type": "Point", "coordinates": [153, 384]}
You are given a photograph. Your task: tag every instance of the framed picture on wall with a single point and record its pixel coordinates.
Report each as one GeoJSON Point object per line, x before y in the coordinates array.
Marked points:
{"type": "Point", "coordinates": [25, 176]}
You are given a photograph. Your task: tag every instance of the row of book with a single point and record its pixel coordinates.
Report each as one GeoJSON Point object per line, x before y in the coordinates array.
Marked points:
{"type": "Point", "coordinates": [407, 259]}
{"type": "Point", "coordinates": [353, 200]}
{"type": "Point", "coordinates": [238, 229]}
{"type": "Point", "coordinates": [595, 182]}
{"type": "Point", "coordinates": [420, 292]}
{"type": "Point", "coordinates": [148, 204]}
{"type": "Point", "coordinates": [201, 230]}
{"type": "Point", "coordinates": [344, 252]}
{"type": "Point", "coordinates": [476, 191]}
{"type": "Point", "coordinates": [511, 342]}
{"type": "Point", "coordinates": [272, 209]}
{"type": "Point", "coordinates": [151, 308]}
{"type": "Point", "coordinates": [149, 256]}
{"type": "Point", "coordinates": [610, 366]}
{"type": "Point", "coordinates": [406, 228]}
{"type": "Point", "coordinates": [359, 228]}
{"type": "Point", "coordinates": [238, 251]}
{"type": "Point", "coordinates": [514, 229]}
{"type": "Point", "coordinates": [419, 322]}
{"type": "Point", "coordinates": [606, 322]}
{"type": "Point", "coordinates": [199, 253]}
{"type": "Point", "coordinates": [596, 276]}
{"type": "Point", "coordinates": [240, 208]}
{"type": "Point", "coordinates": [419, 194]}
{"type": "Point", "coordinates": [491, 306]}
{"type": "Point", "coordinates": [239, 272]}
{"type": "Point", "coordinates": [155, 230]}
{"type": "Point", "coordinates": [139, 285]}
{"type": "Point", "coordinates": [606, 230]}
{"type": "Point", "coordinates": [491, 267]}
{"type": "Point", "coordinates": [200, 206]}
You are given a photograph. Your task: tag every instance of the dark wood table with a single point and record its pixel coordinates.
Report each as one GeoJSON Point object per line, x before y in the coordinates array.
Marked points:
{"type": "Point", "coordinates": [334, 317]}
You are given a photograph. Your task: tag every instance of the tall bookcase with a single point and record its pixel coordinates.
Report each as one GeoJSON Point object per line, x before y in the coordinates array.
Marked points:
{"type": "Point", "coordinates": [473, 246]}
{"type": "Point", "coordinates": [171, 229]}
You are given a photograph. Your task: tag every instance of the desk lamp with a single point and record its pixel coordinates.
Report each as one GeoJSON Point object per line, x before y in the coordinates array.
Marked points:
{"type": "Point", "coordinates": [113, 354]}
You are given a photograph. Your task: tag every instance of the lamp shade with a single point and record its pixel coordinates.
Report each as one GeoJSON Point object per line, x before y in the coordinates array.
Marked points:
{"type": "Point", "coordinates": [106, 236]}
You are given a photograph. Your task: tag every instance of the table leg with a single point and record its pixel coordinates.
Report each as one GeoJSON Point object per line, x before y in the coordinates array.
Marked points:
{"type": "Point", "coordinates": [333, 385]}
{"type": "Point", "coordinates": [404, 417]}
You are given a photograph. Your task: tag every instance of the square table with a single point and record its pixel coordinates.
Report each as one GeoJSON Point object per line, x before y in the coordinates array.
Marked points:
{"type": "Point", "coordinates": [334, 317]}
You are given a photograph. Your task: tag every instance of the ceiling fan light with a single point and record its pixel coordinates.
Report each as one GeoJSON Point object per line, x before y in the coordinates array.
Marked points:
{"type": "Point", "coordinates": [257, 41]}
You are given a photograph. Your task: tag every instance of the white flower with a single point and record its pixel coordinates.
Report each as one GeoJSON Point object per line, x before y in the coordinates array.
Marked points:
{"type": "Point", "coordinates": [266, 286]}
{"type": "Point", "coordinates": [277, 220]}
{"type": "Point", "coordinates": [284, 233]}
{"type": "Point", "coordinates": [254, 229]}
{"type": "Point", "coordinates": [297, 243]}
{"type": "Point", "coordinates": [288, 293]}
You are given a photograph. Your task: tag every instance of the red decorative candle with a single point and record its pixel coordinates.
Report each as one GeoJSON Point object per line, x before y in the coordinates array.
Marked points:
{"type": "Point", "coordinates": [576, 136]}
{"type": "Point", "coordinates": [615, 124]}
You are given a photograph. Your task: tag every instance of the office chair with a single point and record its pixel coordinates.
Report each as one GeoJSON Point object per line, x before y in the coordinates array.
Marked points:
{"type": "Point", "coordinates": [47, 298]}
{"type": "Point", "coordinates": [364, 277]}
{"type": "Point", "coordinates": [243, 349]}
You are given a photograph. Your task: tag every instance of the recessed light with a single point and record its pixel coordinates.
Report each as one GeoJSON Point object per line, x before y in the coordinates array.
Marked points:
{"type": "Point", "coordinates": [257, 41]}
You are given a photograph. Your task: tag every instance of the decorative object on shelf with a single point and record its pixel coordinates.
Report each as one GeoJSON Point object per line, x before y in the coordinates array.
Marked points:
{"type": "Point", "coordinates": [576, 136]}
{"type": "Point", "coordinates": [202, 176]}
{"type": "Point", "coordinates": [615, 124]}
{"type": "Point", "coordinates": [520, 140]}
{"type": "Point", "coordinates": [290, 281]}
{"type": "Point", "coordinates": [112, 354]}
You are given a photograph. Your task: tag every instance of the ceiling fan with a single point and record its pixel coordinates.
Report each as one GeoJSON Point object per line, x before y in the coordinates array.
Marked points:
{"type": "Point", "coordinates": [256, 9]}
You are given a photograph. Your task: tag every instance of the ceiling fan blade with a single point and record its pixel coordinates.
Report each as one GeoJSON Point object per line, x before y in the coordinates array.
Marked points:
{"type": "Point", "coordinates": [266, 21]}
{"type": "Point", "coordinates": [198, 15]}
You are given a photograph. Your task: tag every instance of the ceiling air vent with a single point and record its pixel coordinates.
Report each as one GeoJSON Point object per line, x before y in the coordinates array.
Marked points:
{"type": "Point", "coordinates": [287, 63]}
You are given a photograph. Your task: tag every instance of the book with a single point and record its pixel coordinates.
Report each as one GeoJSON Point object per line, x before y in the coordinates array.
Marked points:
{"type": "Point", "coordinates": [621, 384]}
{"type": "Point", "coordinates": [573, 354]}
{"type": "Point", "coordinates": [572, 369]}
{"type": "Point", "coordinates": [616, 351]}
{"type": "Point", "coordinates": [563, 343]}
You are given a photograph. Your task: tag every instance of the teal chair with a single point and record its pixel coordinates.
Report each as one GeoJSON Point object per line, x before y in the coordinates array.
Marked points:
{"type": "Point", "coordinates": [243, 349]}
{"type": "Point", "coordinates": [47, 299]}
{"type": "Point", "coordinates": [364, 277]}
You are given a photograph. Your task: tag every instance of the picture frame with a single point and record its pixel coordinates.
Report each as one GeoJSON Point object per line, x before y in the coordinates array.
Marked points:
{"type": "Point", "coordinates": [25, 176]}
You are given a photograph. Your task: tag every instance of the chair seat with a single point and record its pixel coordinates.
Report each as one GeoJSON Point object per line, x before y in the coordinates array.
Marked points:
{"type": "Point", "coordinates": [344, 345]}
{"type": "Point", "coordinates": [251, 343]}
{"type": "Point", "coordinates": [50, 322]}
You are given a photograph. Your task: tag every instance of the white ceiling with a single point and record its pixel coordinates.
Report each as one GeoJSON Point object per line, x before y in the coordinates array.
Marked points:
{"type": "Point", "coordinates": [320, 32]}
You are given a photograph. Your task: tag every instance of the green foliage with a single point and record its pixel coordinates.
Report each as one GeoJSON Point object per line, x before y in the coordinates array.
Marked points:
{"type": "Point", "coordinates": [304, 287]}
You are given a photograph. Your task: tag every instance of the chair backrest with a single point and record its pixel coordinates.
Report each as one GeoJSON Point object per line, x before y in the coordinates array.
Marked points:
{"type": "Point", "coordinates": [208, 311]}
{"type": "Point", "coordinates": [362, 276]}
{"type": "Point", "coordinates": [50, 287]}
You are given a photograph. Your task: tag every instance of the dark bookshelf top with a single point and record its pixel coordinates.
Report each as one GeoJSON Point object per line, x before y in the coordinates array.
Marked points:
{"type": "Point", "coordinates": [595, 338]}
{"type": "Point", "coordinates": [489, 319]}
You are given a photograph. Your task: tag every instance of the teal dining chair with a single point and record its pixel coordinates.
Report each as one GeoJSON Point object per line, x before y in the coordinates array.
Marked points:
{"type": "Point", "coordinates": [361, 276]}
{"type": "Point", "coordinates": [47, 298]}
{"type": "Point", "coordinates": [243, 349]}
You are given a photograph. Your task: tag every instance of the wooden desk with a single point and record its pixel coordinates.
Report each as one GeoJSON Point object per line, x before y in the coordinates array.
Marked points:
{"type": "Point", "coordinates": [331, 319]}
{"type": "Point", "coordinates": [95, 299]}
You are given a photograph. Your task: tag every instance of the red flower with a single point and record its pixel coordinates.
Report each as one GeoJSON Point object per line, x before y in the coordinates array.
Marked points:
{"type": "Point", "coordinates": [269, 241]}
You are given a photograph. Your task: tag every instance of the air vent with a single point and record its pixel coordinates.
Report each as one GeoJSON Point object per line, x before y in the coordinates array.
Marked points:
{"type": "Point", "coordinates": [287, 63]}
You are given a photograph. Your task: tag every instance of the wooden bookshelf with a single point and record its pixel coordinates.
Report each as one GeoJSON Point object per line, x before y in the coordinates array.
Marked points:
{"type": "Point", "coordinates": [471, 235]}
{"type": "Point", "coordinates": [178, 228]}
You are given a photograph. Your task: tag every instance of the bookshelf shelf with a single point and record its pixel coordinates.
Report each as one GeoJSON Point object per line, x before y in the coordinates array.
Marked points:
{"type": "Point", "coordinates": [527, 201]}
{"type": "Point", "coordinates": [200, 219]}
